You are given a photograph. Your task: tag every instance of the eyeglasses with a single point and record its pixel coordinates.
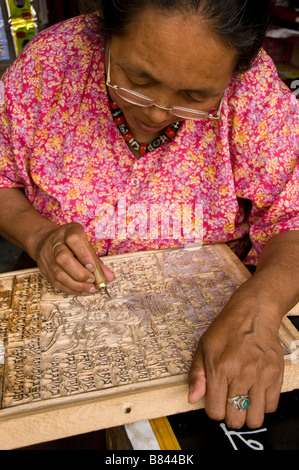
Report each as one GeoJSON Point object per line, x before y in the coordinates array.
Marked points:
{"type": "Point", "coordinates": [146, 102]}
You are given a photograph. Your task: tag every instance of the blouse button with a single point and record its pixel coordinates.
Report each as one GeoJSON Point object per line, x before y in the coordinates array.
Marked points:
{"type": "Point", "coordinates": [135, 181]}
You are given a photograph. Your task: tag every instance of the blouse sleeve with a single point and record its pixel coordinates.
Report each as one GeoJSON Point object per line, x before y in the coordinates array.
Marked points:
{"type": "Point", "coordinates": [18, 120]}
{"type": "Point", "coordinates": [266, 164]}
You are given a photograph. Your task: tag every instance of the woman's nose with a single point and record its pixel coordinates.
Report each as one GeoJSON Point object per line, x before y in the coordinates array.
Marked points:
{"type": "Point", "coordinates": [157, 114]}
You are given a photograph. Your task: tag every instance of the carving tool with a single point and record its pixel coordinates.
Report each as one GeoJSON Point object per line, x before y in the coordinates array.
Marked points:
{"type": "Point", "coordinates": [100, 280]}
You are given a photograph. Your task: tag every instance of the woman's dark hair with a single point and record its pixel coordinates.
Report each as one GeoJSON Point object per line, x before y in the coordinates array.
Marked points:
{"type": "Point", "coordinates": [241, 24]}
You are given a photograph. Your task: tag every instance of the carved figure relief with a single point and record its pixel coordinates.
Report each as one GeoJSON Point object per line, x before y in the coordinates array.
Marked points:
{"type": "Point", "coordinates": [54, 345]}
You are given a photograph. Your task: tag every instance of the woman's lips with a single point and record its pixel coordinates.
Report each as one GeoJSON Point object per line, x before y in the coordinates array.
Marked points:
{"type": "Point", "coordinates": [149, 129]}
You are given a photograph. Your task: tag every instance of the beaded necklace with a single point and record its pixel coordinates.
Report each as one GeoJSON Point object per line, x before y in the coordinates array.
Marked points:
{"type": "Point", "coordinates": [168, 133]}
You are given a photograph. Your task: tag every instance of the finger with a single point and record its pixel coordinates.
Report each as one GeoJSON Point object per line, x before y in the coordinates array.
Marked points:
{"type": "Point", "coordinates": [216, 390]}
{"type": "Point", "coordinates": [76, 289]}
{"type": "Point", "coordinates": [84, 252]}
{"type": "Point", "coordinates": [77, 242]}
{"type": "Point", "coordinates": [276, 379]}
{"type": "Point", "coordinates": [256, 411]}
{"type": "Point", "coordinates": [66, 262]}
{"type": "Point", "coordinates": [68, 274]}
{"type": "Point", "coordinates": [108, 273]}
{"type": "Point", "coordinates": [272, 399]}
{"type": "Point", "coordinates": [61, 281]}
{"type": "Point", "coordinates": [216, 397]}
{"type": "Point", "coordinates": [236, 418]}
{"type": "Point", "coordinates": [265, 394]}
{"type": "Point", "coordinates": [197, 380]}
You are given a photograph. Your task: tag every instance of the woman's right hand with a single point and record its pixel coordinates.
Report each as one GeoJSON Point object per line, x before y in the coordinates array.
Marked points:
{"type": "Point", "coordinates": [67, 260]}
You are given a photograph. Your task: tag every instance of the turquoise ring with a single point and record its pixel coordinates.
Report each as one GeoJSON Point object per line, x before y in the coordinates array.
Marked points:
{"type": "Point", "coordinates": [240, 402]}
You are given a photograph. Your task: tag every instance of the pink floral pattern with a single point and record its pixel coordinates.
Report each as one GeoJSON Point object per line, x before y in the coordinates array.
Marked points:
{"type": "Point", "coordinates": [59, 143]}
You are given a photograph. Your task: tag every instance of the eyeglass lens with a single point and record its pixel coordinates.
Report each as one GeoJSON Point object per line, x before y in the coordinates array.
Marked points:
{"type": "Point", "coordinates": [145, 102]}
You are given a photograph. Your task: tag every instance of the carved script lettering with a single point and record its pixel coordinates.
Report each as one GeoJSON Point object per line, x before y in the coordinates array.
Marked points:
{"type": "Point", "coordinates": [56, 345]}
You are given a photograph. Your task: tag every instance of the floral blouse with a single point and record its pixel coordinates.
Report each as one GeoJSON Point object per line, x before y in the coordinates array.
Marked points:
{"type": "Point", "coordinates": [216, 181]}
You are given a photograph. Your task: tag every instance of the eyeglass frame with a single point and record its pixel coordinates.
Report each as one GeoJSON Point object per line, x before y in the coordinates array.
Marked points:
{"type": "Point", "coordinates": [215, 116]}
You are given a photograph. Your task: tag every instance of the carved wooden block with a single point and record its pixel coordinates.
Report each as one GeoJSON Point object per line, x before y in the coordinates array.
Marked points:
{"type": "Point", "coordinates": [70, 365]}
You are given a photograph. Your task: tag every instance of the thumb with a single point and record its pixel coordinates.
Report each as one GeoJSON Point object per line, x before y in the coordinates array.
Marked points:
{"type": "Point", "coordinates": [197, 379]}
{"type": "Point", "coordinates": [108, 273]}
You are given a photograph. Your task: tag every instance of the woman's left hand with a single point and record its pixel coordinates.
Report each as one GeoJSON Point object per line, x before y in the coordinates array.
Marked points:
{"type": "Point", "coordinates": [239, 354]}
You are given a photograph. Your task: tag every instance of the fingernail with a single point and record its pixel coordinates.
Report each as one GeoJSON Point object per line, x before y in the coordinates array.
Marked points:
{"type": "Point", "coordinates": [90, 280]}
{"type": "Point", "coordinates": [90, 267]}
{"type": "Point", "coordinates": [93, 290]}
{"type": "Point", "coordinates": [190, 392]}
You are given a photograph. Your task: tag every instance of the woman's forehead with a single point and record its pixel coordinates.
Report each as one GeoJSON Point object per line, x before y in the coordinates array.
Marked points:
{"type": "Point", "coordinates": [174, 47]}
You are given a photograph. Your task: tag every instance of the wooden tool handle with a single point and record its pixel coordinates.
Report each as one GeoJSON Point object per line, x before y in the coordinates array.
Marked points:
{"type": "Point", "coordinates": [100, 279]}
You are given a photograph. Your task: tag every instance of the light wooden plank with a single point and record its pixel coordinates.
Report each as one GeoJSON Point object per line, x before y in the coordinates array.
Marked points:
{"type": "Point", "coordinates": [79, 364]}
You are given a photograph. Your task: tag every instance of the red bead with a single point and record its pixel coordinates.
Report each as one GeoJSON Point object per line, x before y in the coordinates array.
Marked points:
{"type": "Point", "coordinates": [119, 120]}
{"type": "Point", "coordinates": [169, 132]}
{"type": "Point", "coordinates": [142, 149]}
{"type": "Point", "coordinates": [114, 105]}
{"type": "Point", "coordinates": [128, 136]}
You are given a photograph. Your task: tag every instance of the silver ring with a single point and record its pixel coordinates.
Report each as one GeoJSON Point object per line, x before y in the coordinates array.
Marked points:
{"type": "Point", "coordinates": [56, 244]}
{"type": "Point", "coordinates": [240, 402]}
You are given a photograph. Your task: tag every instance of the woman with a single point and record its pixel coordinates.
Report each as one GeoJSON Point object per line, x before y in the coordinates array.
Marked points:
{"type": "Point", "coordinates": [162, 103]}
